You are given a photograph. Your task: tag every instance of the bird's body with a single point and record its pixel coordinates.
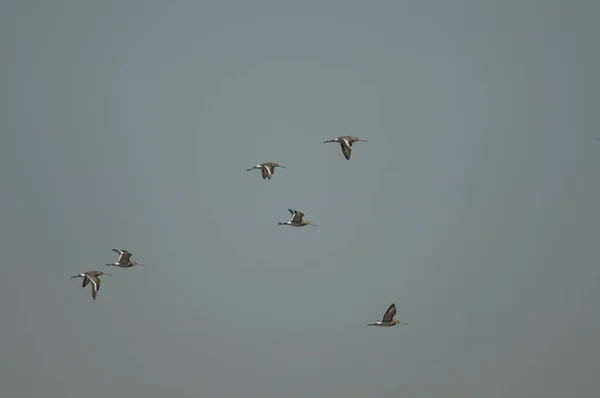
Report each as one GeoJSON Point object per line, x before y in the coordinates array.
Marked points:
{"type": "Point", "coordinates": [346, 142]}
{"type": "Point", "coordinates": [388, 318]}
{"type": "Point", "coordinates": [296, 220]}
{"type": "Point", "coordinates": [93, 277]}
{"type": "Point", "coordinates": [267, 169]}
{"type": "Point", "coordinates": [123, 261]}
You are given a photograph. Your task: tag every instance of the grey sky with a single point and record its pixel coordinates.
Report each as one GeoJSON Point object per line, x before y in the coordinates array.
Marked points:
{"type": "Point", "coordinates": [474, 205]}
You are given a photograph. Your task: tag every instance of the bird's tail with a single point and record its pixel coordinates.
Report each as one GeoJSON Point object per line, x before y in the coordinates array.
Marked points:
{"type": "Point", "coordinates": [280, 223]}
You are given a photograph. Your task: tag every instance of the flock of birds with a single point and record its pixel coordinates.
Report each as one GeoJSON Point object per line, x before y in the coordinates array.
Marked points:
{"type": "Point", "coordinates": [267, 169]}
{"type": "Point", "coordinates": [93, 277]}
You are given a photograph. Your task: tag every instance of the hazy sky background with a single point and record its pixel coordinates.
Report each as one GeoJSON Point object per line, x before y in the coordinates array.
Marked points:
{"type": "Point", "coordinates": [474, 205]}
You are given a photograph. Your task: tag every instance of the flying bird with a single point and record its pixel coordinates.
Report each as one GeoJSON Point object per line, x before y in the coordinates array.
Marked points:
{"type": "Point", "coordinates": [346, 142]}
{"type": "Point", "coordinates": [123, 260]}
{"type": "Point", "coordinates": [267, 169]}
{"type": "Point", "coordinates": [296, 220]}
{"type": "Point", "coordinates": [91, 276]}
{"type": "Point", "coordinates": [388, 318]}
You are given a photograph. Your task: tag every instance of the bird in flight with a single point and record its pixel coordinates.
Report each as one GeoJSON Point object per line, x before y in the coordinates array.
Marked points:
{"type": "Point", "coordinates": [93, 277]}
{"type": "Point", "coordinates": [296, 220]}
{"type": "Point", "coordinates": [123, 260]}
{"type": "Point", "coordinates": [346, 142]}
{"type": "Point", "coordinates": [267, 169]}
{"type": "Point", "coordinates": [388, 318]}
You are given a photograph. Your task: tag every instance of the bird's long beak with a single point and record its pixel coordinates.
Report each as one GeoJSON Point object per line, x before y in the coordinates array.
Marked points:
{"type": "Point", "coordinates": [283, 167]}
{"type": "Point", "coordinates": [314, 225]}
{"type": "Point", "coordinates": [108, 274]}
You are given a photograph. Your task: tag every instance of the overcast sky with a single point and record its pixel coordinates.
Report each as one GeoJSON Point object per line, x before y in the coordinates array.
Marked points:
{"type": "Point", "coordinates": [473, 207]}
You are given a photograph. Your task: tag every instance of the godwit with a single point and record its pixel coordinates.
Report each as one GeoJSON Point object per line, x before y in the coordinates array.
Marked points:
{"type": "Point", "coordinates": [388, 318]}
{"type": "Point", "coordinates": [123, 260]}
{"type": "Point", "coordinates": [91, 276]}
{"type": "Point", "coordinates": [267, 169]}
{"type": "Point", "coordinates": [346, 142]}
{"type": "Point", "coordinates": [296, 220]}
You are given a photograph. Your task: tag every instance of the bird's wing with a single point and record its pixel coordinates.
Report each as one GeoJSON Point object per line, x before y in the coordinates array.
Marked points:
{"type": "Point", "coordinates": [297, 216]}
{"type": "Point", "coordinates": [120, 253]}
{"type": "Point", "coordinates": [126, 255]}
{"type": "Point", "coordinates": [390, 313]}
{"type": "Point", "coordinates": [86, 280]}
{"type": "Point", "coordinates": [123, 257]}
{"type": "Point", "coordinates": [95, 286]}
{"type": "Point", "coordinates": [267, 172]}
{"type": "Point", "coordinates": [94, 290]}
{"type": "Point", "coordinates": [346, 149]}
